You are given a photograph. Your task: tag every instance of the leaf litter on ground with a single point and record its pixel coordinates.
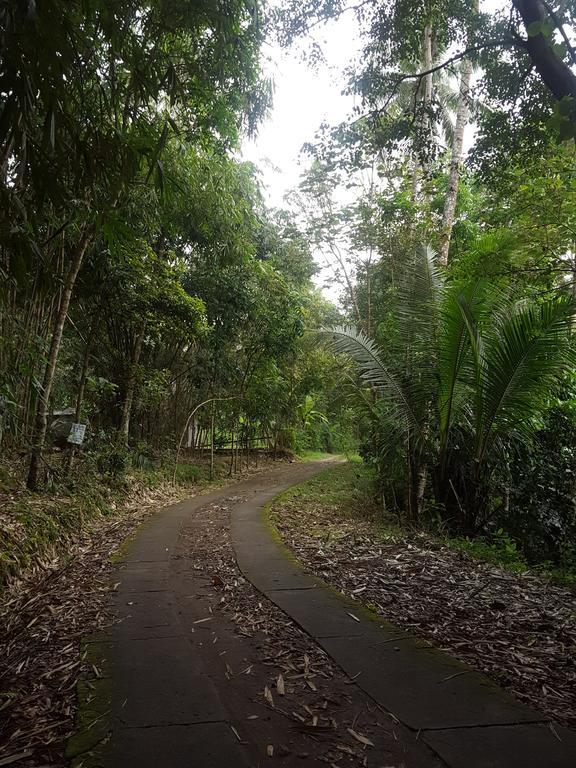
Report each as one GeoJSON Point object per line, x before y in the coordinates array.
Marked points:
{"type": "Point", "coordinates": [327, 721]}
{"type": "Point", "coordinates": [518, 629]}
{"type": "Point", "coordinates": [46, 614]}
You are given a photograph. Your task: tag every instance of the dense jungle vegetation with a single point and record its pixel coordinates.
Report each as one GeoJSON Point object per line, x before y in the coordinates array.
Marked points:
{"type": "Point", "coordinates": [149, 293]}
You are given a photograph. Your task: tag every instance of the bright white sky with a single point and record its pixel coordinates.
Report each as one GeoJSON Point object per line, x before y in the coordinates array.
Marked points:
{"type": "Point", "coordinates": [304, 97]}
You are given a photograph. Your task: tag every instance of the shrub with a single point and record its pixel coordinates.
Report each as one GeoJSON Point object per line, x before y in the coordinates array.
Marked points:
{"type": "Point", "coordinates": [542, 507]}
{"type": "Point", "coordinates": [113, 462]}
{"type": "Point", "coordinates": [188, 473]}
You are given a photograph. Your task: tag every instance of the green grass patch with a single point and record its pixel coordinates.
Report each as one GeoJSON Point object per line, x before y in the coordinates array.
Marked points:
{"type": "Point", "coordinates": [347, 486]}
{"type": "Point", "coordinates": [314, 455]}
{"type": "Point", "coordinates": [347, 493]}
{"type": "Point", "coordinates": [334, 501]}
{"type": "Point", "coordinates": [498, 550]}
{"type": "Point", "coordinates": [322, 456]}
{"type": "Point", "coordinates": [185, 474]}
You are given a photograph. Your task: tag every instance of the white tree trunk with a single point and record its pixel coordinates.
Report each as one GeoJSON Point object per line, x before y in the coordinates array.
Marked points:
{"type": "Point", "coordinates": [462, 116]}
{"type": "Point", "coordinates": [427, 96]}
{"type": "Point", "coordinates": [427, 62]}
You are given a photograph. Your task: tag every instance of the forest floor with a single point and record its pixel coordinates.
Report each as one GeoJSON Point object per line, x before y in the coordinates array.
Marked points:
{"type": "Point", "coordinates": [284, 698]}
{"type": "Point", "coordinates": [517, 628]}
{"type": "Point", "coordinates": [59, 598]}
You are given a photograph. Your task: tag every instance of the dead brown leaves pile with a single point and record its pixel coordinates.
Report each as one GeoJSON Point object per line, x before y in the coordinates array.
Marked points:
{"type": "Point", "coordinates": [328, 719]}
{"type": "Point", "coordinates": [517, 629]}
{"type": "Point", "coordinates": [44, 616]}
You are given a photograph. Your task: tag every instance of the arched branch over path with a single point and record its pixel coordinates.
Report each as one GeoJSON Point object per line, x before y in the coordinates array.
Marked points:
{"type": "Point", "coordinates": [210, 400]}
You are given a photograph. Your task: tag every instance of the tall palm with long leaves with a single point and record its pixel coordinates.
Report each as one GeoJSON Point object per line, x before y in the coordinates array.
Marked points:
{"type": "Point", "coordinates": [462, 380]}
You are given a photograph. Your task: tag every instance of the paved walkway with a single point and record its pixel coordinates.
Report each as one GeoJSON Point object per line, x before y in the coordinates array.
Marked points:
{"type": "Point", "coordinates": [167, 710]}
{"type": "Point", "coordinates": [468, 721]}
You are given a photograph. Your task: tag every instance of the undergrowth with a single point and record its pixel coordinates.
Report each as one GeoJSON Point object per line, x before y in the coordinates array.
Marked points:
{"type": "Point", "coordinates": [35, 525]}
{"type": "Point", "coordinates": [349, 491]}
{"type": "Point", "coordinates": [348, 488]}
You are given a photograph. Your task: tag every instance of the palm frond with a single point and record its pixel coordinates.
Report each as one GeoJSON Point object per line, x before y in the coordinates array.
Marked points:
{"type": "Point", "coordinates": [459, 346]}
{"type": "Point", "coordinates": [365, 353]}
{"type": "Point", "coordinates": [447, 125]}
{"type": "Point", "coordinates": [418, 297]}
{"type": "Point", "coordinates": [525, 354]}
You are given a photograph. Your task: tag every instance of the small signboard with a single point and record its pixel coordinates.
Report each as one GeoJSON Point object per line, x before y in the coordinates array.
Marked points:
{"type": "Point", "coordinates": [77, 432]}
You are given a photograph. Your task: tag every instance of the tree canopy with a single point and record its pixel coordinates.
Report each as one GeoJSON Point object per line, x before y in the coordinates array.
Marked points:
{"type": "Point", "coordinates": [145, 275]}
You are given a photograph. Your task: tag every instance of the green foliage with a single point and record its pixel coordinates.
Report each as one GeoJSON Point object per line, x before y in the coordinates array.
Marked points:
{"type": "Point", "coordinates": [471, 374]}
{"type": "Point", "coordinates": [522, 105]}
{"type": "Point", "coordinates": [113, 462]}
{"type": "Point", "coordinates": [541, 513]}
{"type": "Point", "coordinates": [189, 473]}
{"type": "Point", "coordinates": [498, 549]}
{"type": "Point", "coordinates": [348, 489]}
{"type": "Point", "coordinates": [121, 188]}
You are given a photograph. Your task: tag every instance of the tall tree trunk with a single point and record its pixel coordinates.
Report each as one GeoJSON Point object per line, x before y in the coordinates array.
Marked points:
{"type": "Point", "coordinates": [41, 419]}
{"type": "Point", "coordinates": [558, 77]}
{"type": "Point", "coordinates": [415, 179]}
{"type": "Point", "coordinates": [231, 467]}
{"type": "Point", "coordinates": [238, 441]}
{"type": "Point", "coordinates": [124, 429]}
{"type": "Point", "coordinates": [427, 62]}
{"type": "Point", "coordinates": [82, 383]}
{"type": "Point", "coordinates": [425, 95]}
{"type": "Point", "coordinates": [421, 488]}
{"type": "Point", "coordinates": [462, 116]}
{"type": "Point", "coordinates": [212, 442]}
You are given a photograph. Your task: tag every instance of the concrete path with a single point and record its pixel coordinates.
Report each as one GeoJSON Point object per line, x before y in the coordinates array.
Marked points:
{"type": "Point", "coordinates": [165, 709]}
{"type": "Point", "coordinates": [467, 720]}
{"type": "Point", "coordinates": [169, 711]}
{"type": "Point", "coordinates": [160, 705]}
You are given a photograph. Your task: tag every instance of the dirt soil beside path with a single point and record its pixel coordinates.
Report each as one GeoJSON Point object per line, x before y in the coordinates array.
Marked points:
{"type": "Point", "coordinates": [517, 629]}
{"type": "Point", "coordinates": [292, 703]}
{"type": "Point", "coordinates": [44, 617]}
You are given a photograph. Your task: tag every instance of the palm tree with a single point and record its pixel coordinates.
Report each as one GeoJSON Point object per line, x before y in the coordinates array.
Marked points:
{"type": "Point", "coordinates": [462, 381]}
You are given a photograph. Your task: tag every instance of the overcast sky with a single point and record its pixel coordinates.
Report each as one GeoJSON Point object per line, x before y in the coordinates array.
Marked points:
{"type": "Point", "coordinates": [304, 97]}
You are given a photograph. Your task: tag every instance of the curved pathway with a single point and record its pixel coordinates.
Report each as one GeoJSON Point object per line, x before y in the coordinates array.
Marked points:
{"type": "Point", "coordinates": [466, 719]}
{"type": "Point", "coordinates": [169, 710]}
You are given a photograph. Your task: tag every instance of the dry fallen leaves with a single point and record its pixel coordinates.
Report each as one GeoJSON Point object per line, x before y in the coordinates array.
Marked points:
{"type": "Point", "coordinates": [280, 685]}
{"type": "Point", "coordinates": [516, 628]}
{"type": "Point", "coordinates": [360, 737]}
{"type": "Point", "coordinates": [297, 662]}
{"type": "Point", "coordinates": [268, 696]}
{"type": "Point", "coordinates": [45, 615]}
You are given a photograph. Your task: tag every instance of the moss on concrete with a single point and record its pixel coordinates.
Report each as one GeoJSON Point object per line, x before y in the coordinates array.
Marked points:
{"type": "Point", "coordinates": [94, 706]}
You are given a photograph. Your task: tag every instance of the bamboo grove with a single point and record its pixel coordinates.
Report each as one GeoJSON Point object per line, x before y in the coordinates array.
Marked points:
{"type": "Point", "coordinates": [141, 273]}
{"type": "Point", "coordinates": [150, 295]}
